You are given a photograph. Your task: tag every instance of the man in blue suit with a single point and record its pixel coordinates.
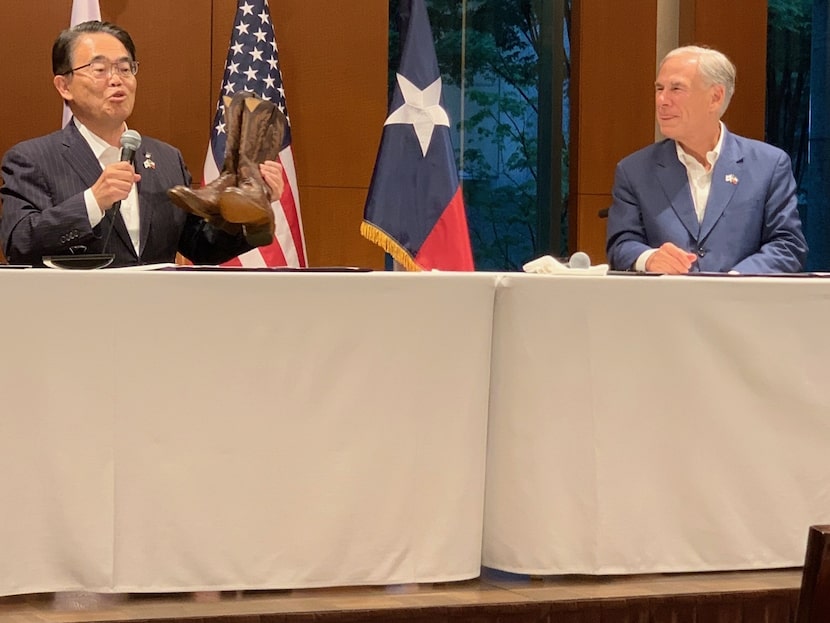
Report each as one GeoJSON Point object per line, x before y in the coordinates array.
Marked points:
{"type": "Point", "coordinates": [59, 189]}
{"type": "Point", "coordinates": [703, 199]}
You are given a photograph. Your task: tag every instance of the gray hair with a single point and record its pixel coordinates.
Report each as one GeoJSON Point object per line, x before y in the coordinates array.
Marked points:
{"type": "Point", "coordinates": [714, 67]}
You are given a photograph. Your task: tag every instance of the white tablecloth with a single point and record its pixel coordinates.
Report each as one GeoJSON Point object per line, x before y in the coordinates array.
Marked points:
{"type": "Point", "coordinates": [657, 424]}
{"type": "Point", "coordinates": [186, 431]}
{"type": "Point", "coordinates": [167, 431]}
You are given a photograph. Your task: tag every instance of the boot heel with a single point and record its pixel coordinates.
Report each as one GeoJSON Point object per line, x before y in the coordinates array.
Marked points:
{"type": "Point", "coordinates": [238, 206]}
{"type": "Point", "coordinates": [258, 235]}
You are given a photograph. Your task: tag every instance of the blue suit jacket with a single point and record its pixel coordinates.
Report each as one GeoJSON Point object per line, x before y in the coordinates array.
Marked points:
{"type": "Point", "coordinates": [751, 223]}
{"type": "Point", "coordinates": [44, 211]}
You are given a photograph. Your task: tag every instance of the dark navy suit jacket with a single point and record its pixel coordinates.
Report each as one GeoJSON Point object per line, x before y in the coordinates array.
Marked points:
{"type": "Point", "coordinates": [751, 222]}
{"type": "Point", "coordinates": [44, 211]}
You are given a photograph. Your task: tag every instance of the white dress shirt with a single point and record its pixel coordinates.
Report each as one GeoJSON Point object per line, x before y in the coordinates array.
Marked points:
{"type": "Point", "coordinates": [107, 154]}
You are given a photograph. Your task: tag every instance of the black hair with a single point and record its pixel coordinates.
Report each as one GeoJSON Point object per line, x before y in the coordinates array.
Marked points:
{"type": "Point", "coordinates": [64, 45]}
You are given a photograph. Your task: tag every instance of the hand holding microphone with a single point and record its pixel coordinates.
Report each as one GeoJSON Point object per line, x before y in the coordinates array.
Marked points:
{"type": "Point", "coordinates": [119, 176]}
{"type": "Point", "coordinates": [114, 184]}
{"type": "Point", "coordinates": [117, 179]}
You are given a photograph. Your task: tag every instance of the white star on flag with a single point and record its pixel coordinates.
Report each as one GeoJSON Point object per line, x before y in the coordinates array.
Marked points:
{"type": "Point", "coordinates": [421, 109]}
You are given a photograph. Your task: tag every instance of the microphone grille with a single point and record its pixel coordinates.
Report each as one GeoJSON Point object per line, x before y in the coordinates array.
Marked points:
{"type": "Point", "coordinates": [131, 140]}
{"type": "Point", "coordinates": [580, 259]}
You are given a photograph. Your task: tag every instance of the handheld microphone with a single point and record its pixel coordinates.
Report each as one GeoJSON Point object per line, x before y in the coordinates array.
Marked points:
{"type": "Point", "coordinates": [130, 142]}
{"type": "Point", "coordinates": [580, 259]}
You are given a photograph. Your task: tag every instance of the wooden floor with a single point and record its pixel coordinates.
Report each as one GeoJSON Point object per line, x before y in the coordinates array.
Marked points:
{"type": "Point", "coordinates": [505, 596]}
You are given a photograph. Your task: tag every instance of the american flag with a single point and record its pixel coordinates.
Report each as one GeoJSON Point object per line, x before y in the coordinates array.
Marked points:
{"type": "Point", "coordinates": [253, 65]}
{"type": "Point", "coordinates": [82, 11]}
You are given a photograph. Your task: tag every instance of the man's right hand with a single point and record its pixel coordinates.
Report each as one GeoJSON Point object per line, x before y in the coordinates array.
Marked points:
{"type": "Point", "coordinates": [114, 184]}
{"type": "Point", "coordinates": [670, 259]}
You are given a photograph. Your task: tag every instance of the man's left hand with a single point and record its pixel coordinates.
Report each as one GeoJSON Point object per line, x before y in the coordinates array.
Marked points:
{"type": "Point", "coordinates": [271, 172]}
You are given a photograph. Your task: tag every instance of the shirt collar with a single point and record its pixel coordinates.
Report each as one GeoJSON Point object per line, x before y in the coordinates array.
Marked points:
{"type": "Point", "coordinates": [98, 145]}
{"type": "Point", "coordinates": [711, 156]}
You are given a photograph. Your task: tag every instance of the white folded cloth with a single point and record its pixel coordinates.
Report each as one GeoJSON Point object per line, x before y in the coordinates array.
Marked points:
{"type": "Point", "coordinates": [548, 265]}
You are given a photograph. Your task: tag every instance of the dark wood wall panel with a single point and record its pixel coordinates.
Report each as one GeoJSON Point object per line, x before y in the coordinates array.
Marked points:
{"type": "Point", "coordinates": [334, 61]}
{"type": "Point", "coordinates": [174, 100]}
{"type": "Point", "coordinates": [30, 106]}
{"type": "Point", "coordinates": [334, 57]}
{"type": "Point", "coordinates": [738, 29]}
{"type": "Point", "coordinates": [612, 105]}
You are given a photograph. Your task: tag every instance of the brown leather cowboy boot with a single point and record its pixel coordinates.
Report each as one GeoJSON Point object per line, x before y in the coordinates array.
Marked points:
{"type": "Point", "coordinates": [249, 202]}
{"type": "Point", "coordinates": [204, 202]}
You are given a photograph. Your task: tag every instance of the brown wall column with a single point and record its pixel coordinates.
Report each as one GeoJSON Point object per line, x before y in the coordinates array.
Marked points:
{"type": "Point", "coordinates": [612, 106]}
{"type": "Point", "coordinates": [738, 29]}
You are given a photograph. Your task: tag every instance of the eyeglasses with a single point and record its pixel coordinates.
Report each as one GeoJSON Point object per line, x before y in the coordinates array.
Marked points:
{"type": "Point", "coordinates": [101, 70]}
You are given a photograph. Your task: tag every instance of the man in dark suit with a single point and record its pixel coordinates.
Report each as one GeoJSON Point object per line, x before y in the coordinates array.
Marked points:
{"type": "Point", "coordinates": [59, 189]}
{"type": "Point", "coordinates": [703, 199]}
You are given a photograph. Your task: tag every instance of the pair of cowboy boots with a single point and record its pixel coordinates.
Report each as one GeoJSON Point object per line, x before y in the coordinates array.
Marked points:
{"type": "Point", "coordinates": [239, 197]}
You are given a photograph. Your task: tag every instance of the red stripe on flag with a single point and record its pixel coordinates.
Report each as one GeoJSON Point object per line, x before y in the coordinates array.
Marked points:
{"type": "Point", "coordinates": [448, 244]}
{"type": "Point", "coordinates": [289, 207]}
{"type": "Point", "coordinates": [272, 255]}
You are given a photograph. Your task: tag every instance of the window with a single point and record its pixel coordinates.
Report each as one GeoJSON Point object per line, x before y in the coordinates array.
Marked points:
{"type": "Point", "coordinates": [797, 110]}
{"type": "Point", "coordinates": [504, 68]}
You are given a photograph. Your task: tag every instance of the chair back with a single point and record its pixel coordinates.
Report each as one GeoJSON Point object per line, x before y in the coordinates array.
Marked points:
{"type": "Point", "coordinates": [814, 596]}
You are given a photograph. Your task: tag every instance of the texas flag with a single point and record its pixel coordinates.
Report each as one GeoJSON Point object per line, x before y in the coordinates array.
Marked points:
{"type": "Point", "coordinates": [415, 210]}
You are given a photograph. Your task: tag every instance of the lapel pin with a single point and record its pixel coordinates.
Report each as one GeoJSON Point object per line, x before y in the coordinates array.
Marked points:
{"type": "Point", "coordinates": [731, 178]}
{"type": "Point", "coordinates": [148, 161]}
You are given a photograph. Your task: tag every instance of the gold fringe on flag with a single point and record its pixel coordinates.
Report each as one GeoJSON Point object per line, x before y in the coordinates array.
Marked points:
{"type": "Point", "coordinates": [388, 244]}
